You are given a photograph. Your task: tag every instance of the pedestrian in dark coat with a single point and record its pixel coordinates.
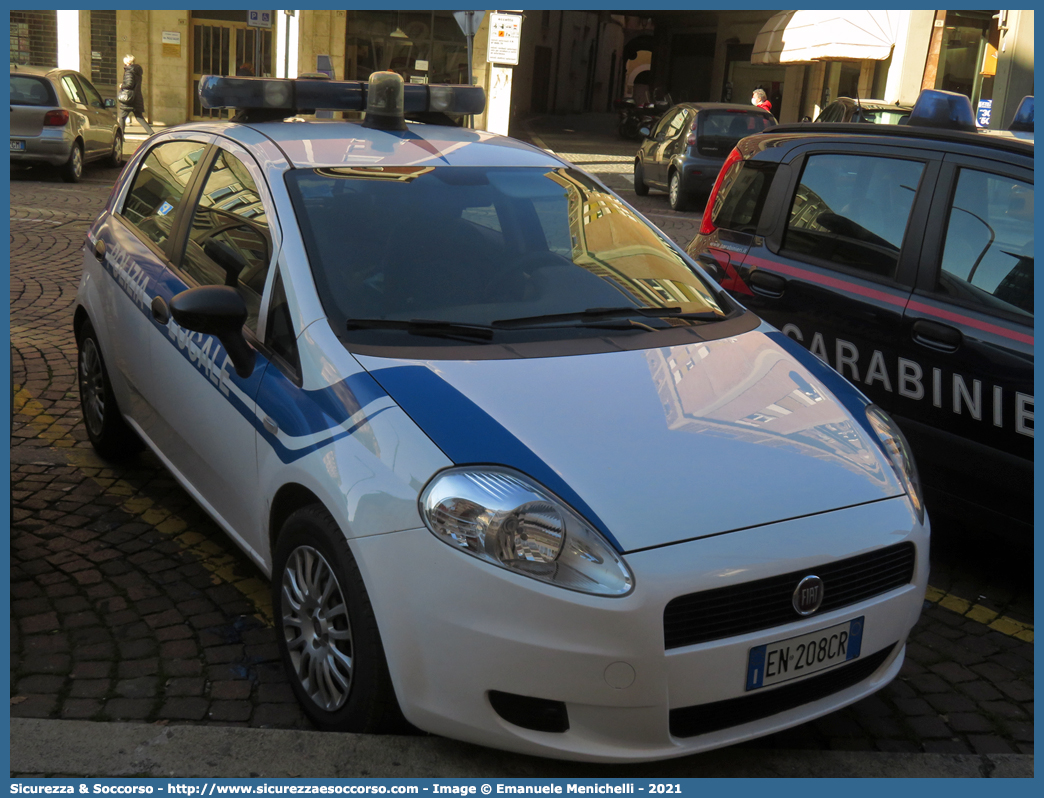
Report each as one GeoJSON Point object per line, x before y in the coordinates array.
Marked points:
{"type": "Point", "coordinates": [130, 97]}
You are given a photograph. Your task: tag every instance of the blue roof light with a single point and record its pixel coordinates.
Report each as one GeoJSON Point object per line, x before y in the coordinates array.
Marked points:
{"type": "Point", "coordinates": [1023, 121]}
{"type": "Point", "coordinates": [945, 109]}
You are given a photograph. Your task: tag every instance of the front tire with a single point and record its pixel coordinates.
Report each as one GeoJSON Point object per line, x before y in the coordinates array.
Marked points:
{"type": "Point", "coordinates": [640, 188]}
{"type": "Point", "coordinates": [72, 170]}
{"type": "Point", "coordinates": [108, 432]}
{"type": "Point", "coordinates": [327, 633]}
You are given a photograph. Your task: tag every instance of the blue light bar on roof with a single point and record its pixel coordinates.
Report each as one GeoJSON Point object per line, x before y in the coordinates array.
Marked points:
{"type": "Point", "coordinates": [945, 109]}
{"type": "Point", "coordinates": [305, 96]}
{"type": "Point", "coordinates": [1023, 121]}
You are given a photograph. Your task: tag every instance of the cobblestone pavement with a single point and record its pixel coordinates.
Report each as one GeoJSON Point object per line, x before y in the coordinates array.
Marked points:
{"type": "Point", "coordinates": [128, 603]}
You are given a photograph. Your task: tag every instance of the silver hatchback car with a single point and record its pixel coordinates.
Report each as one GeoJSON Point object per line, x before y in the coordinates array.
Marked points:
{"type": "Point", "coordinates": [59, 118]}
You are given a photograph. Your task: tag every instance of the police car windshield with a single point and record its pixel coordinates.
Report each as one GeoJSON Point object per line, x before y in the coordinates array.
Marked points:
{"type": "Point", "coordinates": [477, 245]}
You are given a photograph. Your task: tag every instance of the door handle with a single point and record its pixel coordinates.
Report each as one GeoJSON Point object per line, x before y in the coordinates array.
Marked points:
{"type": "Point", "coordinates": [767, 284]}
{"type": "Point", "coordinates": [270, 425]}
{"type": "Point", "coordinates": [99, 249]}
{"type": "Point", "coordinates": [941, 337]}
{"type": "Point", "coordinates": [160, 311]}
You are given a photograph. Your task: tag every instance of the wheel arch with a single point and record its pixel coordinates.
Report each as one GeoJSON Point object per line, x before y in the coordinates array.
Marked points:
{"type": "Point", "coordinates": [80, 318]}
{"type": "Point", "coordinates": [290, 498]}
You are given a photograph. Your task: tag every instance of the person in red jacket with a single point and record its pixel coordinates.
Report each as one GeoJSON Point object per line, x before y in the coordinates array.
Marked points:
{"type": "Point", "coordinates": [761, 100]}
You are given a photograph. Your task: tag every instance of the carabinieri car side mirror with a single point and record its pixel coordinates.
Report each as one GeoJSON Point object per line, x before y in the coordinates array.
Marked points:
{"type": "Point", "coordinates": [220, 311]}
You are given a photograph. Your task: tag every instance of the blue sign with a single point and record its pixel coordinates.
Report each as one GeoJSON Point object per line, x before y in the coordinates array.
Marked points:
{"type": "Point", "coordinates": [982, 115]}
{"type": "Point", "coordinates": [259, 19]}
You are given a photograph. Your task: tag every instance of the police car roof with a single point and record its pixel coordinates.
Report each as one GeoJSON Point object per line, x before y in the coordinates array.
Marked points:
{"type": "Point", "coordinates": [313, 144]}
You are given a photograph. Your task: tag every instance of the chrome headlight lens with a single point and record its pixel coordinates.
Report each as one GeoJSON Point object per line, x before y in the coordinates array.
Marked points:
{"type": "Point", "coordinates": [899, 454]}
{"type": "Point", "coordinates": [504, 518]}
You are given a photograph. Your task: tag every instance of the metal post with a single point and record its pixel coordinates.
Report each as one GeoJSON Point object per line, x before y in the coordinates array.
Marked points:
{"type": "Point", "coordinates": [471, 71]}
{"type": "Point", "coordinates": [471, 35]}
{"type": "Point", "coordinates": [286, 50]}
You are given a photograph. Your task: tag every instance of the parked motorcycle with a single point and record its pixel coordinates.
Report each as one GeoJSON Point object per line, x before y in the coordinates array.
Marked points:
{"type": "Point", "coordinates": [633, 116]}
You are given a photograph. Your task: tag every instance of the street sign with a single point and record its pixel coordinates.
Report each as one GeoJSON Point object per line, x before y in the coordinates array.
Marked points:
{"type": "Point", "coordinates": [985, 110]}
{"type": "Point", "coordinates": [469, 21]}
{"type": "Point", "coordinates": [259, 19]}
{"type": "Point", "coordinates": [505, 35]}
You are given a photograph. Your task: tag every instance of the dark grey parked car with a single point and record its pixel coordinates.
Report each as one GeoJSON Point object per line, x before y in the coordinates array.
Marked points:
{"type": "Point", "coordinates": [877, 112]}
{"type": "Point", "coordinates": [59, 118]}
{"type": "Point", "coordinates": [683, 154]}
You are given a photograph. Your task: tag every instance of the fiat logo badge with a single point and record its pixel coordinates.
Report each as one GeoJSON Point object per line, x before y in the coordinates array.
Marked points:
{"type": "Point", "coordinates": [808, 595]}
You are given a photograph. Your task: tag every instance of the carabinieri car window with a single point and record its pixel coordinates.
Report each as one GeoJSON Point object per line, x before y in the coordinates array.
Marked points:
{"type": "Point", "coordinates": [498, 254]}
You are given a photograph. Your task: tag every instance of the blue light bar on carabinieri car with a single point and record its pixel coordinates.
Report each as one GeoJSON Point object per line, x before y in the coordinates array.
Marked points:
{"type": "Point", "coordinates": [267, 99]}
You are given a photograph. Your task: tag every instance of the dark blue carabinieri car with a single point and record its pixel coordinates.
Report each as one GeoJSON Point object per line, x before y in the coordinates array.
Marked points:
{"type": "Point", "coordinates": [902, 255]}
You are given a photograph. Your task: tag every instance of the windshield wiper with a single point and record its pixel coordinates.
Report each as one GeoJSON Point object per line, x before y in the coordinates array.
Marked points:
{"type": "Point", "coordinates": [427, 327]}
{"type": "Point", "coordinates": [600, 314]}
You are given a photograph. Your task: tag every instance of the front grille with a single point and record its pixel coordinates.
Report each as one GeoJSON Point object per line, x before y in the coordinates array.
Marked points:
{"type": "Point", "coordinates": [706, 718]}
{"type": "Point", "coordinates": [762, 604]}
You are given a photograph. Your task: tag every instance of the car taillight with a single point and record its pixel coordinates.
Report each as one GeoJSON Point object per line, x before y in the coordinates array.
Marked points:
{"type": "Point", "coordinates": [691, 140]}
{"type": "Point", "coordinates": [56, 118]}
{"type": "Point", "coordinates": [707, 226]}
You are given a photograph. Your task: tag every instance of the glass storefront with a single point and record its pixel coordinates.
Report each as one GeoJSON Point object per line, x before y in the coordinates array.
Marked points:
{"type": "Point", "coordinates": [422, 46]}
{"type": "Point", "coordinates": [963, 65]}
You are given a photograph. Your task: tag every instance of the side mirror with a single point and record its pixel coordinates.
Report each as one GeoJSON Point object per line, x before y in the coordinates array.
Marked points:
{"type": "Point", "coordinates": [220, 311]}
{"type": "Point", "coordinates": [645, 132]}
{"type": "Point", "coordinates": [110, 103]}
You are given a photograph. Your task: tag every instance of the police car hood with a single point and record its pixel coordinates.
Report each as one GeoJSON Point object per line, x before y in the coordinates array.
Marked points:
{"type": "Point", "coordinates": [660, 445]}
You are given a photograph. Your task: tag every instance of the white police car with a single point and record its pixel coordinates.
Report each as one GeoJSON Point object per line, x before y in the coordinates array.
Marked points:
{"type": "Point", "coordinates": [515, 464]}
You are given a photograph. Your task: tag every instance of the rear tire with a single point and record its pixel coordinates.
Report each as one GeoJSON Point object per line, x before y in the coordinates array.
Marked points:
{"type": "Point", "coordinates": [108, 432]}
{"type": "Point", "coordinates": [116, 156]}
{"type": "Point", "coordinates": [72, 170]}
{"type": "Point", "coordinates": [327, 633]}
{"type": "Point", "coordinates": [678, 198]}
{"type": "Point", "coordinates": [640, 189]}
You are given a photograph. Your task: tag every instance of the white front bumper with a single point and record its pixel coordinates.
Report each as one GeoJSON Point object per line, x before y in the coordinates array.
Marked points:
{"type": "Point", "coordinates": [455, 628]}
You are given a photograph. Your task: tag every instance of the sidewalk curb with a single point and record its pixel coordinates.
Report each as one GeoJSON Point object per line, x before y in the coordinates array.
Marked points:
{"type": "Point", "coordinates": [85, 749]}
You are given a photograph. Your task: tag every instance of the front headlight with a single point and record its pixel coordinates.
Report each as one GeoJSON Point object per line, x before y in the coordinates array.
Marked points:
{"type": "Point", "coordinates": [505, 518]}
{"type": "Point", "coordinates": [899, 454]}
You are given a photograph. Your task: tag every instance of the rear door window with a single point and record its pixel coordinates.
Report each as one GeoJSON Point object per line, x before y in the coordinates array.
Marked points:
{"type": "Point", "coordinates": [852, 210]}
{"type": "Point", "coordinates": [72, 88]}
{"type": "Point", "coordinates": [158, 188]}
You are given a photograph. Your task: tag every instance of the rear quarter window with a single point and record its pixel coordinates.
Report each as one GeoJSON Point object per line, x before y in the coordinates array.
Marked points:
{"type": "Point", "coordinates": [742, 195]}
{"type": "Point", "coordinates": [29, 90]}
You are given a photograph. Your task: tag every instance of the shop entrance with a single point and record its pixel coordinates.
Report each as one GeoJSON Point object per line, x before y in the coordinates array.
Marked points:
{"type": "Point", "coordinates": [223, 44]}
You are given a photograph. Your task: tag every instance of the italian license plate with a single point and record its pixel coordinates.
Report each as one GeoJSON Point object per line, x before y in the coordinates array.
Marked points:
{"type": "Point", "coordinates": [800, 656]}
{"type": "Point", "coordinates": [17, 145]}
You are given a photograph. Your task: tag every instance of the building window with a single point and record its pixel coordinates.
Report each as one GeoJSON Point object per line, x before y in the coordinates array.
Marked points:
{"type": "Point", "coordinates": [34, 38]}
{"type": "Point", "coordinates": [422, 46]}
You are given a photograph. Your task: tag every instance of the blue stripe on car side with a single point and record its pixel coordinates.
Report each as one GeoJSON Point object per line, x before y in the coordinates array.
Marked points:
{"type": "Point", "coordinates": [467, 434]}
{"type": "Point", "coordinates": [296, 411]}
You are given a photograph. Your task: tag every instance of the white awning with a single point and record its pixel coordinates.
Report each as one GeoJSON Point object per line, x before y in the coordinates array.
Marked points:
{"type": "Point", "coordinates": [791, 37]}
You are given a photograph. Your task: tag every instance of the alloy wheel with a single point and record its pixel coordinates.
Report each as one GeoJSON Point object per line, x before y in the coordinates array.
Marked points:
{"type": "Point", "coordinates": [92, 386]}
{"type": "Point", "coordinates": [316, 628]}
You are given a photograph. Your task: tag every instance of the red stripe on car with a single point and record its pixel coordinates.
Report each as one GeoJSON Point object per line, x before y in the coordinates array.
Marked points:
{"type": "Point", "coordinates": [892, 299]}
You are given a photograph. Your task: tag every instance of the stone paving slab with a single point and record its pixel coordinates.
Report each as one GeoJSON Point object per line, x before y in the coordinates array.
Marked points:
{"type": "Point", "coordinates": [129, 604]}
